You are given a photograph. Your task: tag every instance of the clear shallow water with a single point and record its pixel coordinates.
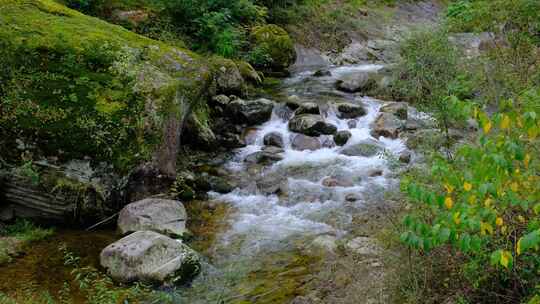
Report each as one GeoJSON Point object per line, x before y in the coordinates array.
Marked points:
{"type": "Point", "coordinates": [264, 232]}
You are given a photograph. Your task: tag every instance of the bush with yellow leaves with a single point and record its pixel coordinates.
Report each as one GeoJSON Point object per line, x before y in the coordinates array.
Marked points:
{"type": "Point", "coordinates": [484, 202]}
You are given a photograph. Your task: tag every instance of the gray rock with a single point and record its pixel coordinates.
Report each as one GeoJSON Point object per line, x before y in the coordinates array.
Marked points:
{"type": "Point", "coordinates": [251, 112]}
{"type": "Point", "coordinates": [366, 148]}
{"type": "Point", "coordinates": [405, 157]}
{"type": "Point", "coordinates": [263, 157]}
{"type": "Point", "coordinates": [302, 142]}
{"type": "Point", "coordinates": [160, 215]}
{"type": "Point", "coordinates": [312, 125]}
{"type": "Point", "coordinates": [328, 142]}
{"type": "Point", "coordinates": [308, 108]}
{"type": "Point", "coordinates": [220, 184]}
{"type": "Point", "coordinates": [273, 139]}
{"type": "Point", "coordinates": [228, 78]}
{"type": "Point", "coordinates": [352, 124]}
{"type": "Point", "coordinates": [341, 137]}
{"type": "Point", "coordinates": [150, 257]}
{"type": "Point", "coordinates": [363, 246]}
{"type": "Point", "coordinates": [322, 73]}
{"type": "Point", "coordinates": [350, 110]}
{"type": "Point", "coordinates": [399, 109]}
{"type": "Point", "coordinates": [337, 181]}
{"type": "Point", "coordinates": [387, 125]}
{"type": "Point", "coordinates": [360, 82]}
{"type": "Point", "coordinates": [272, 183]}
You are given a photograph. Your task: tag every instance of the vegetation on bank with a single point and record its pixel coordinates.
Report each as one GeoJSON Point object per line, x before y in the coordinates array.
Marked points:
{"type": "Point", "coordinates": [473, 228]}
{"type": "Point", "coordinates": [14, 237]}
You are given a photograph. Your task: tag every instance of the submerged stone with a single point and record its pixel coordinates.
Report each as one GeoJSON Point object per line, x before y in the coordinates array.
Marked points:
{"type": "Point", "coordinates": [311, 125]}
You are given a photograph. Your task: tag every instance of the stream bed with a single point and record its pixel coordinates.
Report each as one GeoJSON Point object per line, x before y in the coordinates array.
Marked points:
{"type": "Point", "coordinates": [284, 216]}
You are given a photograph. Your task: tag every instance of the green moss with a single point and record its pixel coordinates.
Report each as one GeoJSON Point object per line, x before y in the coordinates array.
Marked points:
{"type": "Point", "coordinates": [83, 86]}
{"type": "Point", "coordinates": [273, 48]}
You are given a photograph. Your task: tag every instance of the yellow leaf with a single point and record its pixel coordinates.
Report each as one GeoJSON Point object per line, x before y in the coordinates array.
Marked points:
{"type": "Point", "coordinates": [521, 219]}
{"type": "Point", "coordinates": [448, 188]}
{"type": "Point", "coordinates": [487, 127]}
{"type": "Point", "coordinates": [514, 186]}
{"type": "Point", "coordinates": [448, 202]}
{"type": "Point", "coordinates": [488, 202]}
{"type": "Point", "coordinates": [532, 132]}
{"type": "Point", "coordinates": [518, 247]}
{"type": "Point", "coordinates": [486, 228]}
{"type": "Point", "coordinates": [472, 199]}
{"type": "Point", "coordinates": [505, 259]}
{"type": "Point", "coordinates": [505, 123]}
{"type": "Point", "coordinates": [467, 186]}
{"type": "Point", "coordinates": [527, 160]}
{"type": "Point", "coordinates": [499, 221]}
{"type": "Point", "coordinates": [456, 218]}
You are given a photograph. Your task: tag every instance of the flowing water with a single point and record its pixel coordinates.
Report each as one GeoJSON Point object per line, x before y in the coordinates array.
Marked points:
{"type": "Point", "coordinates": [264, 254]}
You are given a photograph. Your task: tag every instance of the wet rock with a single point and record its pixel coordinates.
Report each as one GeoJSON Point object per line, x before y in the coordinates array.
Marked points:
{"type": "Point", "coordinates": [308, 108]}
{"type": "Point", "coordinates": [312, 125]}
{"type": "Point", "coordinates": [302, 142]}
{"type": "Point", "coordinates": [399, 109]}
{"type": "Point", "coordinates": [375, 173]}
{"type": "Point", "coordinates": [352, 124]}
{"type": "Point", "coordinates": [160, 215]}
{"type": "Point", "coordinates": [293, 102]}
{"type": "Point", "coordinates": [230, 140]}
{"type": "Point", "coordinates": [337, 181]}
{"type": "Point", "coordinates": [272, 149]}
{"type": "Point", "coordinates": [387, 125]}
{"type": "Point", "coordinates": [221, 100]}
{"type": "Point", "coordinates": [322, 73]}
{"type": "Point", "coordinates": [350, 110]}
{"type": "Point", "coordinates": [250, 112]}
{"type": "Point", "coordinates": [366, 148]}
{"type": "Point", "coordinates": [150, 257]}
{"type": "Point", "coordinates": [273, 139]}
{"type": "Point", "coordinates": [363, 246]}
{"type": "Point", "coordinates": [405, 157]}
{"type": "Point", "coordinates": [341, 137]}
{"type": "Point", "coordinates": [360, 82]}
{"type": "Point", "coordinates": [328, 142]}
{"type": "Point", "coordinates": [272, 183]}
{"type": "Point", "coordinates": [351, 197]}
{"type": "Point", "coordinates": [249, 135]}
{"type": "Point", "coordinates": [263, 157]}
{"type": "Point", "coordinates": [220, 184]}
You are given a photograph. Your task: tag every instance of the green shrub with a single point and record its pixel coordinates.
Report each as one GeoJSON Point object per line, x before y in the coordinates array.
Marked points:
{"type": "Point", "coordinates": [485, 203]}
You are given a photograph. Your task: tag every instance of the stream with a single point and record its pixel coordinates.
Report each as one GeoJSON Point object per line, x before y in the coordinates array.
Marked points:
{"type": "Point", "coordinates": [282, 212]}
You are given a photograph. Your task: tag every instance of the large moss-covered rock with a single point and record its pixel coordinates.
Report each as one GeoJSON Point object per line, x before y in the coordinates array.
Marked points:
{"type": "Point", "coordinates": [311, 125]}
{"type": "Point", "coordinates": [274, 44]}
{"type": "Point", "coordinates": [92, 88]}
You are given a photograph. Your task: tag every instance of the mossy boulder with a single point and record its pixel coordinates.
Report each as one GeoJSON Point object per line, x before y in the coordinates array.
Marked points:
{"type": "Point", "coordinates": [273, 48]}
{"type": "Point", "coordinates": [92, 88]}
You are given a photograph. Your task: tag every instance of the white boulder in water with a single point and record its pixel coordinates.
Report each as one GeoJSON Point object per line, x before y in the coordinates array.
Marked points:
{"type": "Point", "coordinates": [150, 257]}
{"type": "Point", "coordinates": [160, 215]}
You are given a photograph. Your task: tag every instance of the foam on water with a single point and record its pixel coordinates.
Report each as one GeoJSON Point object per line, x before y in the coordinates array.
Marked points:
{"type": "Point", "coordinates": [309, 208]}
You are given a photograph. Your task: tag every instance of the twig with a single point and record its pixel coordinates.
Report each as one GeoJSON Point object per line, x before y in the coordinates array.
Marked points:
{"type": "Point", "coordinates": [102, 222]}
